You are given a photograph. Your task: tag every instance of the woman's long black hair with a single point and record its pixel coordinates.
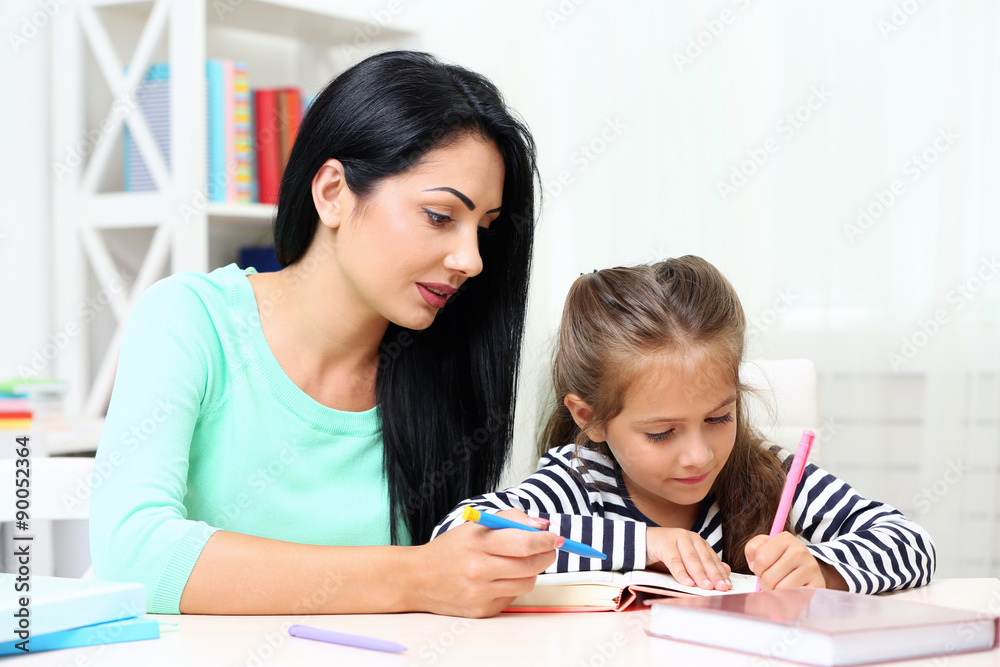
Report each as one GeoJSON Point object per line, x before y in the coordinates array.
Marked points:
{"type": "Point", "coordinates": [446, 399]}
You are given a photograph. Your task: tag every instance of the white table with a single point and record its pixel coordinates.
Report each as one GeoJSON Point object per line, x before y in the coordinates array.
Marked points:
{"type": "Point", "coordinates": [573, 640]}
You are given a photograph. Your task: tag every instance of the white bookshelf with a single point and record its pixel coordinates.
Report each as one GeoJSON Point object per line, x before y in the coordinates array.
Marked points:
{"type": "Point", "coordinates": [96, 224]}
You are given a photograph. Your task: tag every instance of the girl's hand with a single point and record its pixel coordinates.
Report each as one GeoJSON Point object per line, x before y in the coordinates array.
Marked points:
{"type": "Point", "coordinates": [783, 561]}
{"type": "Point", "coordinates": [474, 571]}
{"type": "Point", "coordinates": [688, 557]}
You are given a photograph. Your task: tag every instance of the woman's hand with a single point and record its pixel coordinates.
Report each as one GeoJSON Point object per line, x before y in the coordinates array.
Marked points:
{"type": "Point", "coordinates": [474, 571]}
{"type": "Point", "coordinates": [688, 557]}
{"type": "Point", "coordinates": [783, 561]}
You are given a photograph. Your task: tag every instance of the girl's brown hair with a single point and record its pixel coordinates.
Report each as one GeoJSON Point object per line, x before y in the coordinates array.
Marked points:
{"type": "Point", "coordinates": [614, 322]}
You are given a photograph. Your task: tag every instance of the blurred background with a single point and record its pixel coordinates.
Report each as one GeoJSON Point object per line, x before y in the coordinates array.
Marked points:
{"type": "Point", "coordinates": [837, 161]}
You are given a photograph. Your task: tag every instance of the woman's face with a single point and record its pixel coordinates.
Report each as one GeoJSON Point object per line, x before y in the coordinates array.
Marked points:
{"type": "Point", "coordinates": [415, 240]}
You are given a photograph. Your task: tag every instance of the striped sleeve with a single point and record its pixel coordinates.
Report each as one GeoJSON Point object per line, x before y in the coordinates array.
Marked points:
{"type": "Point", "coordinates": [559, 490]}
{"type": "Point", "coordinates": [871, 544]}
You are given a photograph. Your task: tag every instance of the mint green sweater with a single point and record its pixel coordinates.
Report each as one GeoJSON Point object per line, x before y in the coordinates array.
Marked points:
{"type": "Point", "coordinates": [206, 432]}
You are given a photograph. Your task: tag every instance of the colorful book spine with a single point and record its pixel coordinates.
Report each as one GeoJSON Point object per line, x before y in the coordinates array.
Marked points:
{"type": "Point", "coordinates": [153, 99]}
{"type": "Point", "coordinates": [229, 127]}
{"type": "Point", "coordinates": [267, 134]}
{"type": "Point", "coordinates": [241, 130]}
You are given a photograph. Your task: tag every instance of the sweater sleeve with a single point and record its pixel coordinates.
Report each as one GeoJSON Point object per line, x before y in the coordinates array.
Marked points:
{"type": "Point", "coordinates": [873, 546]}
{"type": "Point", "coordinates": [139, 531]}
{"type": "Point", "coordinates": [559, 491]}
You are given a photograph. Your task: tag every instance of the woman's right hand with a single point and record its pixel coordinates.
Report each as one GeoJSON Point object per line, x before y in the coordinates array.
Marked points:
{"type": "Point", "coordinates": [688, 557]}
{"type": "Point", "coordinates": [476, 572]}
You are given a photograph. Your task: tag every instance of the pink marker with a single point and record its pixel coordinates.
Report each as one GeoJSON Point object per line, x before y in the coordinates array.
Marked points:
{"type": "Point", "coordinates": [791, 483]}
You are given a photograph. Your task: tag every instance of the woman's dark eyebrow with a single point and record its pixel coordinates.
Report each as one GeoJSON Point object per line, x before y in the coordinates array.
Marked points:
{"type": "Point", "coordinates": [465, 200]}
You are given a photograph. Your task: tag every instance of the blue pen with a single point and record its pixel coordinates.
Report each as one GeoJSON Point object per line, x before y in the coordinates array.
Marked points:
{"type": "Point", "coordinates": [494, 521]}
{"type": "Point", "coordinates": [331, 637]}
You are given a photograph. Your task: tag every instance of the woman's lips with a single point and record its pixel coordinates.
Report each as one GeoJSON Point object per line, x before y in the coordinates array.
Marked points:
{"type": "Point", "coordinates": [691, 480]}
{"type": "Point", "coordinates": [436, 300]}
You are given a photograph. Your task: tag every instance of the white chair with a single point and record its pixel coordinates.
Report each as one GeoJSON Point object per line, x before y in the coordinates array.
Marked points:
{"type": "Point", "coordinates": [59, 491]}
{"type": "Point", "coordinates": [784, 401]}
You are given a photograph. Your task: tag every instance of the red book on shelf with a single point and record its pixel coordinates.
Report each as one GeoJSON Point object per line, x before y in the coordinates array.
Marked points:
{"type": "Point", "coordinates": [817, 626]}
{"type": "Point", "coordinates": [267, 132]}
{"type": "Point", "coordinates": [290, 112]}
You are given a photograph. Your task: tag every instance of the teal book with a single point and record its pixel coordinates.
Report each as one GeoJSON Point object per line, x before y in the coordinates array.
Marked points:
{"type": "Point", "coordinates": [128, 630]}
{"type": "Point", "coordinates": [35, 606]}
{"type": "Point", "coordinates": [215, 96]}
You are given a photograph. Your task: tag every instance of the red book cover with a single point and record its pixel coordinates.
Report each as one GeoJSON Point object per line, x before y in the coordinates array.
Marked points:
{"type": "Point", "coordinates": [290, 112]}
{"type": "Point", "coordinates": [267, 133]}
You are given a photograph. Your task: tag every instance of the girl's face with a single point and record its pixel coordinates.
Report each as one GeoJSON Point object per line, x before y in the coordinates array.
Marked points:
{"type": "Point", "coordinates": [416, 239]}
{"type": "Point", "coordinates": [674, 435]}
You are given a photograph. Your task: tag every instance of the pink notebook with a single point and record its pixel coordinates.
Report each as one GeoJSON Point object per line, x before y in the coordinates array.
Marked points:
{"type": "Point", "coordinates": [823, 627]}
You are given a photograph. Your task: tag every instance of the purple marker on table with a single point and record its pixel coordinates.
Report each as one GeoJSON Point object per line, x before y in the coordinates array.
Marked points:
{"type": "Point", "coordinates": [331, 637]}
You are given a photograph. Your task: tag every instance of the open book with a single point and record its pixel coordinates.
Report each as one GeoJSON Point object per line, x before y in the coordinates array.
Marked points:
{"type": "Point", "coordinates": [601, 590]}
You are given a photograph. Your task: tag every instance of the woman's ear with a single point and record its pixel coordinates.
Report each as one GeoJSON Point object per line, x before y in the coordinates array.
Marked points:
{"type": "Point", "coordinates": [334, 201]}
{"type": "Point", "coordinates": [583, 415]}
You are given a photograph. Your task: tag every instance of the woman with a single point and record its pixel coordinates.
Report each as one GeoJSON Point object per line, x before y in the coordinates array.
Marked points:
{"type": "Point", "coordinates": [275, 442]}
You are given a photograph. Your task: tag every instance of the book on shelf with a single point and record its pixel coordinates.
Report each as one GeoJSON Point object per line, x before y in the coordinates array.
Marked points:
{"type": "Point", "coordinates": [602, 590]}
{"type": "Point", "coordinates": [277, 114]}
{"type": "Point", "coordinates": [29, 402]}
{"type": "Point", "coordinates": [816, 626]}
{"type": "Point", "coordinates": [249, 132]}
{"type": "Point", "coordinates": [38, 605]}
{"type": "Point", "coordinates": [153, 100]}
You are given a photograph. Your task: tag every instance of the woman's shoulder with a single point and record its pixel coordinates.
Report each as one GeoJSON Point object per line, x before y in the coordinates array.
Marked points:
{"type": "Point", "coordinates": [192, 289]}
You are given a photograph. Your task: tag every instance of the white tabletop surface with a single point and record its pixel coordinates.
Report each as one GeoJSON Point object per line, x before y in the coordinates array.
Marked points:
{"type": "Point", "coordinates": [597, 639]}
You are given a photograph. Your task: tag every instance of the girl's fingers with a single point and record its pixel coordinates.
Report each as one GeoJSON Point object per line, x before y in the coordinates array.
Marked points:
{"type": "Point", "coordinates": [715, 574]}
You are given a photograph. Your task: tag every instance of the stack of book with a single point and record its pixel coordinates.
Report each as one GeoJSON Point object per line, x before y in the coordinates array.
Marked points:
{"type": "Point", "coordinates": [27, 403]}
{"type": "Point", "coordinates": [250, 132]}
{"type": "Point", "coordinates": [15, 412]}
{"type": "Point", "coordinates": [47, 613]}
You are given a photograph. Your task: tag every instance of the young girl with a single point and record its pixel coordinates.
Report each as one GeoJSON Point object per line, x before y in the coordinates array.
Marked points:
{"type": "Point", "coordinates": [651, 458]}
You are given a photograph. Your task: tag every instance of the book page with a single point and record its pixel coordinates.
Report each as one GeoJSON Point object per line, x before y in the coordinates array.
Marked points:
{"type": "Point", "coordinates": [742, 583]}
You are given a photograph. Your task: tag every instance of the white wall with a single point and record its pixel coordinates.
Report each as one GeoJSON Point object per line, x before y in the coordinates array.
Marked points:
{"type": "Point", "coordinates": [25, 171]}
{"type": "Point", "coordinates": [883, 80]}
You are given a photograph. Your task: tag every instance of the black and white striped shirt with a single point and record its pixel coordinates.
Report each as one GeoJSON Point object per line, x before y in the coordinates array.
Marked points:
{"type": "Point", "coordinates": [871, 544]}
